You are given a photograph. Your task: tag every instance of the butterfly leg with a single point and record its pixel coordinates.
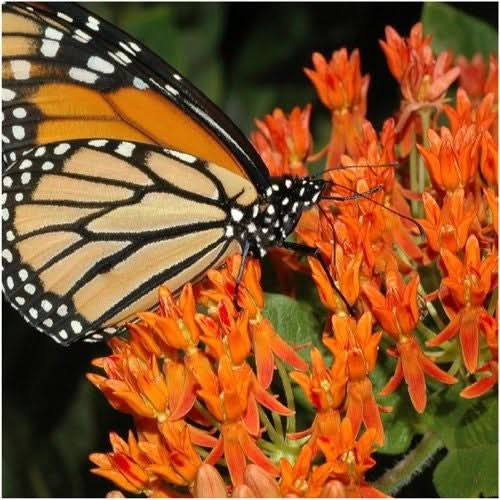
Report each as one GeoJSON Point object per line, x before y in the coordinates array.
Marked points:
{"type": "Point", "coordinates": [316, 253]}
{"type": "Point", "coordinates": [244, 257]}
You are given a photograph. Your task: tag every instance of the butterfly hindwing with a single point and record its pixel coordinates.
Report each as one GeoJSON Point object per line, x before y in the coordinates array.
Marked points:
{"type": "Point", "coordinates": [93, 227]}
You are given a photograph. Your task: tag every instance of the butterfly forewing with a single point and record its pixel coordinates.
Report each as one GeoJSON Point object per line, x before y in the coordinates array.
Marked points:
{"type": "Point", "coordinates": [93, 227]}
{"type": "Point", "coordinates": [67, 75]}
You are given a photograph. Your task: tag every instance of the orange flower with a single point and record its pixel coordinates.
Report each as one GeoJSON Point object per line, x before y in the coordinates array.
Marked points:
{"type": "Point", "coordinates": [491, 84]}
{"type": "Point", "coordinates": [372, 152]}
{"type": "Point", "coordinates": [492, 201]}
{"type": "Point", "coordinates": [325, 390]}
{"type": "Point", "coordinates": [234, 407]}
{"type": "Point", "coordinates": [284, 142]}
{"type": "Point", "coordinates": [452, 161]}
{"type": "Point", "coordinates": [490, 368]}
{"type": "Point", "coordinates": [462, 293]}
{"type": "Point", "coordinates": [483, 115]}
{"type": "Point", "coordinates": [355, 343]}
{"type": "Point", "coordinates": [423, 78]}
{"type": "Point", "coordinates": [324, 387]}
{"type": "Point", "coordinates": [132, 385]}
{"type": "Point", "coordinates": [472, 75]}
{"type": "Point", "coordinates": [349, 458]}
{"type": "Point", "coordinates": [125, 466]}
{"type": "Point", "coordinates": [348, 272]}
{"type": "Point", "coordinates": [447, 227]}
{"type": "Point", "coordinates": [266, 342]}
{"type": "Point", "coordinates": [222, 284]}
{"type": "Point", "coordinates": [398, 314]}
{"type": "Point", "coordinates": [489, 159]}
{"type": "Point", "coordinates": [140, 466]}
{"type": "Point", "coordinates": [412, 365]}
{"type": "Point", "coordinates": [300, 479]}
{"type": "Point", "coordinates": [343, 90]}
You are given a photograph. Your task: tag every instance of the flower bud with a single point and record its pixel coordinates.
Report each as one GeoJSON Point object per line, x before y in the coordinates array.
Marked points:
{"type": "Point", "coordinates": [333, 489]}
{"type": "Point", "coordinates": [208, 483]}
{"type": "Point", "coordinates": [261, 482]}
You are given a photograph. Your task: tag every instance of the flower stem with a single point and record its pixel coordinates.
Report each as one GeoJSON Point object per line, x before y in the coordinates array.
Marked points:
{"type": "Point", "coordinates": [290, 400]}
{"type": "Point", "coordinates": [411, 465]}
{"type": "Point", "coordinates": [206, 414]}
{"type": "Point", "coordinates": [413, 174]}
{"type": "Point", "coordinates": [275, 437]}
{"type": "Point", "coordinates": [493, 302]}
{"type": "Point", "coordinates": [425, 118]}
{"type": "Point", "coordinates": [278, 424]}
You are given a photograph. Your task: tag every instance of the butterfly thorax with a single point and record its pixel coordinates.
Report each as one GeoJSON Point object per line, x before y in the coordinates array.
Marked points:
{"type": "Point", "coordinates": [269, 221]}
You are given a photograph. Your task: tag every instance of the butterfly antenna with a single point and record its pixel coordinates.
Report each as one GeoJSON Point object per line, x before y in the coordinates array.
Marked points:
{"type": "Point", "coordinates": [392, 164]}
{"type": "Point", "coordinates": [365, 195]}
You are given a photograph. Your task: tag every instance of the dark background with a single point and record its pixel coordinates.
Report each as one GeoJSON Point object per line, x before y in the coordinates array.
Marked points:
{"type": "Point", "coordinates": [249, 59]}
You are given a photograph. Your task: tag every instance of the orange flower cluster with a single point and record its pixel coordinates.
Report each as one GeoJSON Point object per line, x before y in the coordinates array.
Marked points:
{"type": "Point", "coordinates": [197, 374]}
{"type": "Point", "coordinates": [185, 379]}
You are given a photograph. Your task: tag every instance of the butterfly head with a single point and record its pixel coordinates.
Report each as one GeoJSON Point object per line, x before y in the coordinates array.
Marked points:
{"type": "Point", "coordinates": [279, 210]}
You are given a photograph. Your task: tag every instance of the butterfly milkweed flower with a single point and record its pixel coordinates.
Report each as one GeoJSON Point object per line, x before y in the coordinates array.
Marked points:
{"type": "Point", "coordinates": [423, 78]}
{"type": "Point", "coordinates": [359, 347]}
{"type": "Point", "coordinates": [447, 227]}
{"type": "Point", "coordinates": [462, 293]}
{"type": "Point", "coordinates": [398, 314]}
{"type": "Point", "coordinates": [284, 142]}
{"type": "Point", "coordinates": [343, 90]}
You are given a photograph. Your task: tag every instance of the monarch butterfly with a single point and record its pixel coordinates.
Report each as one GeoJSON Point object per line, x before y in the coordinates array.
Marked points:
{"type": "Point", "coordinates": [119, 175]}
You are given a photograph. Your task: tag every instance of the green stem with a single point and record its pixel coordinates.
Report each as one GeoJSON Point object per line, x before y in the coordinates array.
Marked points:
{"type": "Point", "coordinates": [207, 414]}
{"type": "Point", "coordinates": [411, 465]}
{"type": "Point", "coordinates": [493, 302]}
{"type": "Point", "coordinates": [278, 425]}
{"type": "Point", "coordinates": [455, 366]}
{"type": "Point", "coordinates": [413, 175]}
{"type": "Point", "coordinates": [425, 331]}
{"type": "Point", "coordinates": [430, 307]}
{"type": "Point", "coordinates": [290, 400]}
{"type": "Point", "coordinates": [425, 117]}
{"type": "Point", "coordinates": [275, 437]}
{"type": "Point", "coordinates": [266, 445]}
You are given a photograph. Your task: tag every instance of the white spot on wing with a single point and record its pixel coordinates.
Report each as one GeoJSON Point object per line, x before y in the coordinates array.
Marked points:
{"type": "Point", "coordinates": [182, 156]}
{"type": "Point", "coordinates": [236, 214]}
{"type": "Point", "coordinates": [18, 132]}
{"type": "Point", "coordinates": [7, 94]}
{"type": "Point", "coordinates": [82, 75]}
{"type": "Point", "coordinates": [53, 33]}
{"type": "Point", "coordinates": [76, 326]}
{"type": "Point", "coordinates": [140, 84]}
{"type": "Point", "coordinates": [20, 69]}
{"type": "Point", "coordinates": [98, 64]}
{"type": "Point", "coordinates": [98, 143]}
{"type": "Point", "coordinates": [60, 149]}
{"type": "Point", "coordinates": [19, 113]}
{"type": "Point", "coordinates": [93, 23]}
{"type": "Point", "coordinates": [171, 89]}
{"type": "Point", "coordinates": [65, 17]}
{"type": "Point", "coordinates": [7, 255]}
{"type": "Point", "coordinates": [125, 149]}
{"type": "Point", "coordinates": [49, 48]}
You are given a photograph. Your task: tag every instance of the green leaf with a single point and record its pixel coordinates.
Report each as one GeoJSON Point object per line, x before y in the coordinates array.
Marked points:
{"type": "Point", "coordinates": [468, 428]}
{"type": "Point", "coordinates": [452, 29]}
{"type": "Point", "coordinates": [294, 320]}
{"type": "Point", "coordinates": [468, 472]}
